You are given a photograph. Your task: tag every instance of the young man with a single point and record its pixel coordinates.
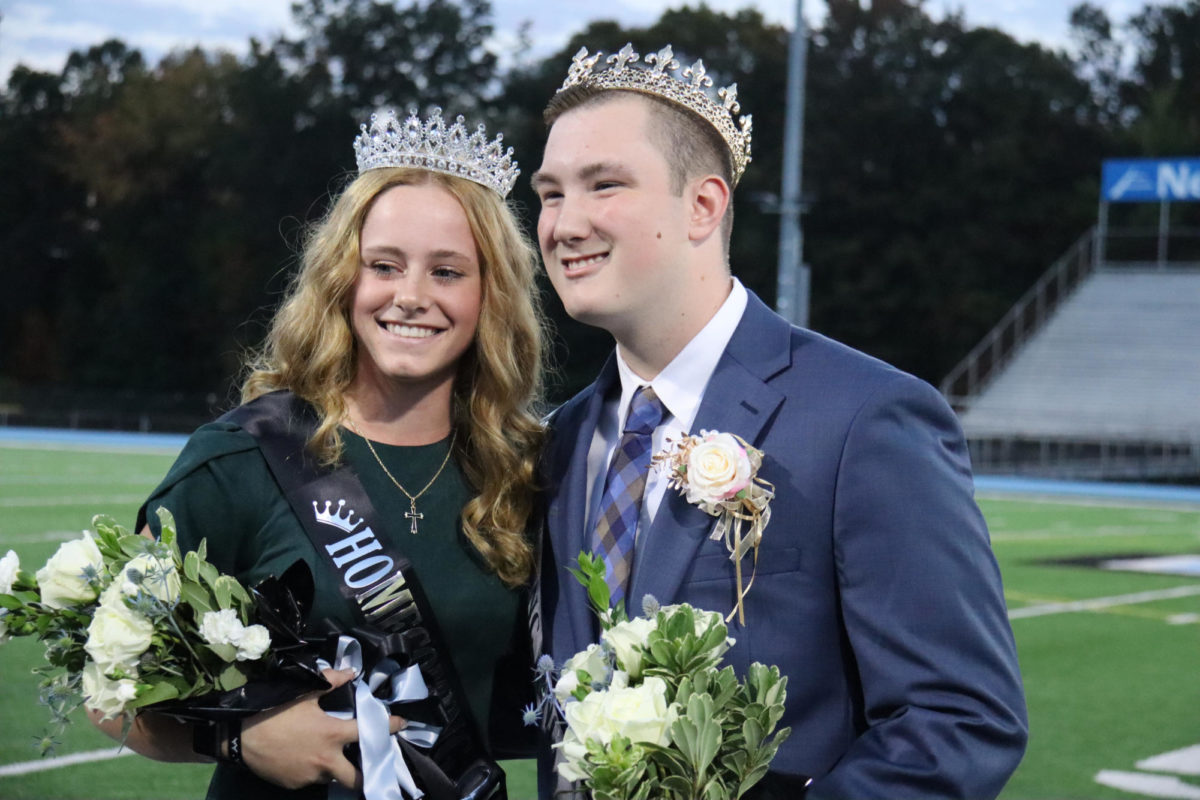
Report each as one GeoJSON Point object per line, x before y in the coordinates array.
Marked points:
{"type": "Point", "coordinates": [876, 591]}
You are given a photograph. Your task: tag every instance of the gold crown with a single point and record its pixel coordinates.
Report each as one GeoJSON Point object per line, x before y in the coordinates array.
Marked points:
{"type": "Point", "coordinates": [653, 75]}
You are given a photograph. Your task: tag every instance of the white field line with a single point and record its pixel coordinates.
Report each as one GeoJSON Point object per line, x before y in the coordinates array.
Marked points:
{"type": "Point", "coordinates": [1185, 761]}
{"type": "Point", "coordinates": [78, 500]}
{"type": "Point", "coordinates": [25, 767]}
{"type": "Point", "coordinates": [1165, 786]}
{"type": "Point", "coordinates": [1097, 603]}
{"type": "Point", "coordinates": [1092, 502]}
{"type": "Point", "coordinates": [1049, 534]}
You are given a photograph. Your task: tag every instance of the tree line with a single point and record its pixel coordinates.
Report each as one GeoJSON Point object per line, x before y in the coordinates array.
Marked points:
{"type": "Point", "coordinates": [150, 213]}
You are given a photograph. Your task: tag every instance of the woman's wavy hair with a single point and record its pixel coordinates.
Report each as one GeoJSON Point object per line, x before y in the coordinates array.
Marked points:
{"type": "Point", "coordinates": [310, 349]}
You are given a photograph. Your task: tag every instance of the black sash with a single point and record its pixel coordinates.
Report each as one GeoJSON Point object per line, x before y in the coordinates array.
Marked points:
{"type": "Point", "coordinates": [376, 578]}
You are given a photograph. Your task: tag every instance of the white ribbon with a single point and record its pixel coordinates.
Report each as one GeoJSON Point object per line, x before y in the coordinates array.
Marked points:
{"type": "Point", "coordinates": [386, 775]}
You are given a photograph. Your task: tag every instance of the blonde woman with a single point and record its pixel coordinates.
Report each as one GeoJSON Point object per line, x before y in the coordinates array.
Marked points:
{"type": "Point", "coordinates": [408, 352]}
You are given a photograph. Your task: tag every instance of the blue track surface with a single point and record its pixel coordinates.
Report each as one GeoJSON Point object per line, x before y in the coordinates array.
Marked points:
{"type": "Point", "coordinates": [104, 440]}
{"type": "Point", "coordinates": [1154, 493]}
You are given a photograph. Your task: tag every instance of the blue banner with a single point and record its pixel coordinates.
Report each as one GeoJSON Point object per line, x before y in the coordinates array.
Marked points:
{"type": "Point", "coordinates": [1150, 180]}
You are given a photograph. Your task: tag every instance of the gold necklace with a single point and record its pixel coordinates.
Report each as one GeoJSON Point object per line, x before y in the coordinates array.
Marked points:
{"type": "Point", "coordinates": [412, 514]}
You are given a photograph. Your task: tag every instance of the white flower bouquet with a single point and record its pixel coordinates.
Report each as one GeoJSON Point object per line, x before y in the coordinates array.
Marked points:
{"type": "Point", "coordinates": [649, 711]}
{"type": "Point", "coordinates": [129, 622]}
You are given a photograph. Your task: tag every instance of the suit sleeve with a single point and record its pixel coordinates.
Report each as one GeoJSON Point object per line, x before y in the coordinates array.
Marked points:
{"type": "Point", "coordinates": [923, 609]}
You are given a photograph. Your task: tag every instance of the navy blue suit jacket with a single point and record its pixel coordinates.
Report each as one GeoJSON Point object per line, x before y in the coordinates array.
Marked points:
{"type": "Point", "coordinates": [877, 592]}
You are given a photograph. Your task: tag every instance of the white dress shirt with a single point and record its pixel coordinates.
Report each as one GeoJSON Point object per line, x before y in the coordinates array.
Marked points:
{"type": "Point", "coordinates": [680, 386]}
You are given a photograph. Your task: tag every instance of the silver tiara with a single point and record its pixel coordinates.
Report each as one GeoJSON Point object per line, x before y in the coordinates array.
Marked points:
{"type": "Point", "coordinates": [431, 145]}
{"type": "Point", "coordinates": [654, 76]}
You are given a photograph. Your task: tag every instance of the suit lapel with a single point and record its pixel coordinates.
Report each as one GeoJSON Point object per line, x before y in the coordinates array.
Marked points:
{"type": "Point", "coordinates": [567, 515]}
{"type": "Point", "coordinates": [737, 400]}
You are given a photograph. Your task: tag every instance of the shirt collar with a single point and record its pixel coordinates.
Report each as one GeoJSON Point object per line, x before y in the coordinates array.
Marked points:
{"type": "Point", "coordinates": [680, 386]}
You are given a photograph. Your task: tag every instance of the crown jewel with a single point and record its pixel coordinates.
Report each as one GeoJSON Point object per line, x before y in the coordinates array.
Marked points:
{"type": "Point", "coordinates": [655, 75]}
{"type": "Point", "coordinates": [430, 144]}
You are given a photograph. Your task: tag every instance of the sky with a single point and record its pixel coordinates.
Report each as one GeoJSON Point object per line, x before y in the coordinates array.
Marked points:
{"type": "Point", "coordinates": [41, 33]}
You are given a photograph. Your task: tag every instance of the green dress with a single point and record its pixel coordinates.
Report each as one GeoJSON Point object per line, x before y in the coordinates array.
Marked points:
{"type": "Point", "coordinates": [220, 489]}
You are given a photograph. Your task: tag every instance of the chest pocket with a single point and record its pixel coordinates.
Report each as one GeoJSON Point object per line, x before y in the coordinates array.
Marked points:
{"type": "Point", "coordinates": [717, 566]}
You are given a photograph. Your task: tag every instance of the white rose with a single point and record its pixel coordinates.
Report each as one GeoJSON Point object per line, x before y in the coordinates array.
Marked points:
{"type": "Point", "coordinates": [253, 643]}
{"type": "Point", "coordinates": [105, 695]}
{"type": "Point", "coordinates": [9, 566]}
{"type": "Point", "coordinates": [717, 468]}
{"type": "Point", "coordinates": [628, 641]}
{"type": "Point", "coordinates": [158, 577]}
{"type": "Point", "coordinates": [592, 661]}
{"type": "Point", "coordinates": [62, 581]}
{"type": "Point", "coordinates": [117, 635]}
{"type": "Point", "coordinates": [574, 752]}
{"type": "Point", "coordinates": [639, 713]}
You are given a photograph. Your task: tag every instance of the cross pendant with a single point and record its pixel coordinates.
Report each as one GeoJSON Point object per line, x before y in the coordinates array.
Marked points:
{"type": "Point", "coordinates": [414, 515]}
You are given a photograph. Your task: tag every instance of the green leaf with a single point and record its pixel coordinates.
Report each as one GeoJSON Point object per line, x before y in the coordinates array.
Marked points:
{"type": "Point", "coordinates": [225, 652]}
{"type": "Point", "coordinates": [677, 784]}
{"type": "Point", "coordinates": [191, 566]}
{"type": "Point", "coordinates": [194, 595]}
{"type": "Point", "coordinates": [708, 738]}
{"type": "Point", "coordinates": [230, 678]}
{"type": "Point", "coordinates": [238, 592]}
{"type": "Point", "coordinates": [156, 693]}
{"type": "Point", "coordinates": [209, 573]}
{"type": "Point", "coordinates": [132, 545]}
{"type": "Point", "coordinates": [752, 778]}
{"type": "Point", "coordinates": [166, 523]}
{"type": "Point", "coordinates": [753, 733]}
{"type": "Point", "coordinates": [223, 592]}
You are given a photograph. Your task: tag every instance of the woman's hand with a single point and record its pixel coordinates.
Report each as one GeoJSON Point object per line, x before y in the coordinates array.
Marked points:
{"type": "Point", "coordinates": [298, 744]}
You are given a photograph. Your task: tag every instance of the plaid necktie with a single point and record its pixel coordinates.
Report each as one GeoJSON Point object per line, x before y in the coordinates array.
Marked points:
{"type": "Point", "coordinates": [621, 504]}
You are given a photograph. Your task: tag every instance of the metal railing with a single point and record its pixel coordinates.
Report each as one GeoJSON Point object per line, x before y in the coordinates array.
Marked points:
{"type": "Point", "coordinates": [1029, 313]}
{"type": "Point", "coordinates": [1088, 459]}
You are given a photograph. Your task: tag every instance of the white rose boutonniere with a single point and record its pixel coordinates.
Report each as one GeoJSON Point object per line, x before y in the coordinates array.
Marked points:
{"type": "Point", "coordinates": [719, 473]}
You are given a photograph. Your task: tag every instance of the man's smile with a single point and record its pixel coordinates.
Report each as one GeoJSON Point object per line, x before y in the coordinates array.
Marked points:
{"type": "Point", "coordinates": [576, 263]}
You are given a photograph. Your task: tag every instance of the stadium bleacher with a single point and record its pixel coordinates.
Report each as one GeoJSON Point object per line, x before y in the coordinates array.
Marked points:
{"type": "Point", "coordinates": [1107, 387]}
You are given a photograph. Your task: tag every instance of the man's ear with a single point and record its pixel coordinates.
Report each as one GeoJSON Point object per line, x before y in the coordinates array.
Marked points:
{"type": "Point", "coordinates": [709, 198]}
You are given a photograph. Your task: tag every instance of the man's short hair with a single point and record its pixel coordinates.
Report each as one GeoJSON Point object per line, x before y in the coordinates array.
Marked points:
{"type": "Point", "coordinates": [687, 141]}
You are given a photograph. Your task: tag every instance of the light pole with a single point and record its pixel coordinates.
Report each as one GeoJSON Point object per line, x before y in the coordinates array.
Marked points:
{"type": "Point", "coordinates": [793, 278]}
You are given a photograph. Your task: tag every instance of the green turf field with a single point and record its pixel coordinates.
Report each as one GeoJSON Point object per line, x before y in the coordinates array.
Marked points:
{"type": "Point", "coordinates": [1108, 686]}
